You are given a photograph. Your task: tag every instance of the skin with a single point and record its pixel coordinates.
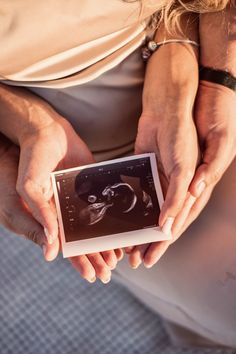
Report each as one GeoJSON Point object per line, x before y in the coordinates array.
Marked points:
{"type": "Point", "coordinates": [218, 142]}
{"type": "Point", "coordinates": [166, 127]}
{"type": "Point", "coordinates": [45, 145]}
{"type": "Point", "coordinates": [214, 117]}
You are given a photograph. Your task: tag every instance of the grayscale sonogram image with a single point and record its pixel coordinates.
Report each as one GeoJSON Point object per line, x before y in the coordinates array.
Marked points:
{"type": "Point", "coordinates": [108, 199]}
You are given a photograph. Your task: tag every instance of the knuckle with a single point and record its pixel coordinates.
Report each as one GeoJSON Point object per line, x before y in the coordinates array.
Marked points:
{"type": "Point", "coordinates": [139, 147]}
{"type": "Point", "coordinates": [110, 259]}
{"type": "Point", "coordinates": [83, 266]}
{"type": "Point", "coordinates": [19, 188]}
{"type": "Point", "coordinates": [86, 272]}
{"type": "Point", "coordinates": [177, 201]}
{"type": "Point", "coordinates": [110, 262]}
{"type": "Point", "coordinates": [215, 176]}
{"type": "Point", "coordinates": [195, 211]}
{"type": "Point", "coordinates": [174, 205]}
{"type": "Point", "coordinates": [188, 173]}
{"type": "Point", "coordinates": [102, 272]}
{"type": "Point", "coordinates": [34, 236]}
{"type": "Point", "coordinates": [220, 135]}
{"type": "Point", "coordinates": [22, 188]}
{"type": "Point", "coordinates": [150, 257]}
{"type": "Point", "coordinates": [180, 172]}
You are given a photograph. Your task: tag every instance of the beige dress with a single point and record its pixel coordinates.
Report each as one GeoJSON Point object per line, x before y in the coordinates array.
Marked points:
{"type": "Point", "coordinates": [63, 43]}
{"type": "Point", "coordinates": [86, 62]}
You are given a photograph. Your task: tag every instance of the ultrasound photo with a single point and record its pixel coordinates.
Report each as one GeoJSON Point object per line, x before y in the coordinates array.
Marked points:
{"type": "Point", "coordinates": [106, 199]}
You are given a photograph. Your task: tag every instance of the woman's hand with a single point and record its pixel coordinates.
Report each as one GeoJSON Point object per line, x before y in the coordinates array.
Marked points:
{"type": "Point", "coordinates": [167, 128]}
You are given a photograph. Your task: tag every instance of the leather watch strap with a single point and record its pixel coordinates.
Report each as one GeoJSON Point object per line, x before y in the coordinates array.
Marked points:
{"type": "Point", "coordinates": [220, 77]}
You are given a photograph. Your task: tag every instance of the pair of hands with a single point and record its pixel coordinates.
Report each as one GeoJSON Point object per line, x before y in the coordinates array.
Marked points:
{"type": "Point", "coordinates": [166, 127]}
{"type": "Point", "coordinates": [192, 129]}
{"type": "Point", "coordinates": [189, 176]}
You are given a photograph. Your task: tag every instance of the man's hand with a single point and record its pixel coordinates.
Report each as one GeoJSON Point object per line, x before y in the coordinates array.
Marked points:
{"type": "Point", "coordinates": [14, 214]}
{"type": "Point", "coordinates": [215, 119]}
{"type": "Point", "coordinates": [57, 146]}
{"type": "Point", "coordinates": [47, 142]}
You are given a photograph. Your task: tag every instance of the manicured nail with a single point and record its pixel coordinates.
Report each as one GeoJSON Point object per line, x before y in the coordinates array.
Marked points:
{"type": "Point", "coordinates": [166, 228]}
{"type": "Point", "coordinates": [113, 266]}
{"type": "Point", "coordinates": [50, 238]}
{"type": "Point", "coordinates": [105, 281]}
{"type": "Point", "coordinates": [200, 187]}
{"type": "Point", "coordinates": [122, 255]}
{"type": "Point", "coordinates": [44, 248]}
{"type": "Point", "coordinates": [92, 280]}
{"type": "Point", "coordinates": [135, 266]}
{"type": "Point", "coordinates": [146, 265]}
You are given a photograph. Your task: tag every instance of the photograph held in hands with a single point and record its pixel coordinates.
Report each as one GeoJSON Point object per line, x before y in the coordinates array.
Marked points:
{"type": "Point", "coordinates": [108, 205]}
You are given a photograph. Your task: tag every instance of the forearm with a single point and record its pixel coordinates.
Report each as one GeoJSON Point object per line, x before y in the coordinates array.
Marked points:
{"type": "Point", "coordinates": [218, 39]}
{"type": "Point", "coordinates": [22, 112]}
{"type": "Point", "coordinates": [172, 70]}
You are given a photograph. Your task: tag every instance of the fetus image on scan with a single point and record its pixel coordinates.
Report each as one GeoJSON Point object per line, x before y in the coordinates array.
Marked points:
{"type": "Point", "coordinates": [119, 196]}
{"type": "Point", "coordinates": [108, 199]}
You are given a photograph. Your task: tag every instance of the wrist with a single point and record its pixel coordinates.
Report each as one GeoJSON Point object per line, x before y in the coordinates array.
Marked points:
{"type": "Point", "coordinates": [217, 37]}
{"type": "Point", "coordinates": [39, 117]}
{"type": "Point", "coordinates": [168, 82]}
{"type": "Point", "coordinates": [26, 112]}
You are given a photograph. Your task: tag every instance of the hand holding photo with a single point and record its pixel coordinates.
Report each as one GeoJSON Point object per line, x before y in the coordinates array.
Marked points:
{"type": "Point", "coordinates": [108, 205]}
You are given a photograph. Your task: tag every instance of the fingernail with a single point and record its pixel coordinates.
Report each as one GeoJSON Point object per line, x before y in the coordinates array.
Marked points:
{"type": "Point", "coordinates": [44, 248]}
{"type": "Point", "coordinates": [166, 228]}
{"type": "Point", "coordinates": [122, 256]}
{"type": "Point", "coordinates": [50, 238]}
{"type": "Point", "coordinates": [200, 187]}
{"type": "Point", "coordinates": [113, 266]}
{"type": "Point", "coordinates": [105, 281]}
{"type": "Point", "coordinates": [136, 265]}
{"type": "Point", "coordinates": [147, 265]}
{"type": "Point", "coordinates": [92, 280]}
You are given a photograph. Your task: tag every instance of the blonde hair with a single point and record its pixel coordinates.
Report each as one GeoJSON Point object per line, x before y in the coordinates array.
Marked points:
{"type": "Point", "coordinates": [171, 11]}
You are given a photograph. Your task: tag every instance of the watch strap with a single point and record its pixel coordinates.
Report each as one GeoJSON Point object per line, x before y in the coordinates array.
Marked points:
{"type": "Point", "coordinates": [220, 77]}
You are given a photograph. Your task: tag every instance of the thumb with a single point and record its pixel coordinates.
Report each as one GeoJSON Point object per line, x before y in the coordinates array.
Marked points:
{"type": "Point", "coordinates": [20, 221]}
{"type": "Point", "coordinates": [34, 186]}
{"type": "Point", "coordinates": [39, 207]}
{"type": "Point", "coordinates": [216, 159]}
